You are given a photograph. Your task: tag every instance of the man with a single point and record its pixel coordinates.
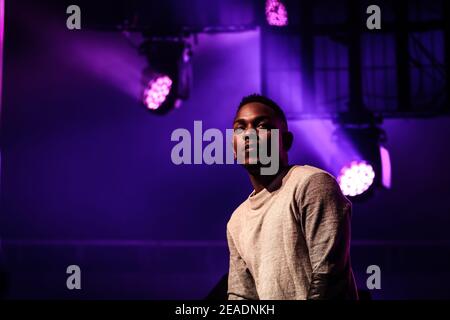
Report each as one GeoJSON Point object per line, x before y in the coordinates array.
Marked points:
{"type": "Point", "coordinates": [290, 238]}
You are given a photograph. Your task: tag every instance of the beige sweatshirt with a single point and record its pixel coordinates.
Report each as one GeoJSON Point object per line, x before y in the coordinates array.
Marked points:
{"type": "Point", "coordinates": [291, 240]}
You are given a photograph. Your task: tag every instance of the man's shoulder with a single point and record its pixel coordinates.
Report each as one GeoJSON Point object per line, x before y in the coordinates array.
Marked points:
{"type": "Point", "coordinates": [302, 175]}
{"type": "Point", "coordinates": [235, 217]}
{"type": "Point", "coordinates": [314, 182]}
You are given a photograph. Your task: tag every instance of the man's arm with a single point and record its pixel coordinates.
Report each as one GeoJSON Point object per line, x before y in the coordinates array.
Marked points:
{"type": "Point", "coordinates": [241, 285]}
{"type": "Point", "coordinates": [326, 215]}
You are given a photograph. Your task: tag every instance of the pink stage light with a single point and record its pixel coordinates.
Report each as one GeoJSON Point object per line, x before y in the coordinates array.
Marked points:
{"type": "Point", "coordinates": [157, 91]}
{"type": "Point", "coordinates": [356, 178]}
{"type": "Point", "coordinates": [276, 13]}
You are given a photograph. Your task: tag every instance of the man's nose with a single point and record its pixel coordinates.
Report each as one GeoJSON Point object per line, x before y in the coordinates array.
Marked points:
{"type": "Point", "coordinates": [250, 135]}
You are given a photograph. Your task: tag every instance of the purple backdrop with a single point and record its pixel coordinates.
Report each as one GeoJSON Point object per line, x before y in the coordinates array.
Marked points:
{"type": "Point", "coordinates": [87, 177]}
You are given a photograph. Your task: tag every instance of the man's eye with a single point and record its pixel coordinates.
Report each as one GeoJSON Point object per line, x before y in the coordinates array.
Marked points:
{"type": "Point", "coordinates": [263, 126]}
{"type": "Point", "coordinates": [239, 128]}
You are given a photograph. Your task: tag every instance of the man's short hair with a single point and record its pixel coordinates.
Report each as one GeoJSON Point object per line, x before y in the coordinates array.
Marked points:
{"type": "Point", "coordinates": [255, 97]}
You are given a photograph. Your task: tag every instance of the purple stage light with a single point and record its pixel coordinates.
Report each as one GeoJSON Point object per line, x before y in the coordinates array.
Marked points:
{"type": "Point", "coordinates": [157, 91]}
{"type": "Point", "coordinates": [356, 178]}
{"type": "Point", "coordinates": [276, 13]}
{"type": "Point", "coordinates": [385, 167]}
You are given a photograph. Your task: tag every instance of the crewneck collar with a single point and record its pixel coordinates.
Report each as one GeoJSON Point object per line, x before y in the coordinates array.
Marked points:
{"type": "Point", "coordinates": [257, 200]}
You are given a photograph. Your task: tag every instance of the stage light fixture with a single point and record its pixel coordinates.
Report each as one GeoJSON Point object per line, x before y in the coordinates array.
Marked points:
{"type": "Point", "coordinates": [166, 80]}
{"type": "Point", "coordinates": [356, 178]}
{"type": "Point", "coordinates": [157, 91]}
{"type": "Point", "coordinates": [361, 163]}
{"type": "Point", "coordinates": [276, 13]}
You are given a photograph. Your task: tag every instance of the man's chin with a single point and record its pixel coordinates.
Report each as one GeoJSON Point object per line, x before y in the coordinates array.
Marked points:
{"type": "Point", "coordinates": [255, 169]}
{"type": "Point", "coordinates": [252, 162]}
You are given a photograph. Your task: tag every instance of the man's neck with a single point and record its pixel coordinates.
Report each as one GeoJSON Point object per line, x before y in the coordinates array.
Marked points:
{"type": "Point", "coordinates": [261, 182]}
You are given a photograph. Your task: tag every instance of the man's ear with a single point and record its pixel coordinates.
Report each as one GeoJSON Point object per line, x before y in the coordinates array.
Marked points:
{"type": "Point", "coordinates": [288, 139]}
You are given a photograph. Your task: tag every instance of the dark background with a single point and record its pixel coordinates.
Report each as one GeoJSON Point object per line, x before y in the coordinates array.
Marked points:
{"type": "Point", "coordinates": [87, 179]}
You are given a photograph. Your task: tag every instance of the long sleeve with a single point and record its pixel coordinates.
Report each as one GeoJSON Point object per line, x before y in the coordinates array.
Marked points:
{"type": "Point", "coordinates": [241, 285]}
{"type": "Point", "coordinates": [326, 219]}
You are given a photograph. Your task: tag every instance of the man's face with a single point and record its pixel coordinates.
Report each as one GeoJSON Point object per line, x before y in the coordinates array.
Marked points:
{"type": "Point", "coordinates": [262, 119]}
